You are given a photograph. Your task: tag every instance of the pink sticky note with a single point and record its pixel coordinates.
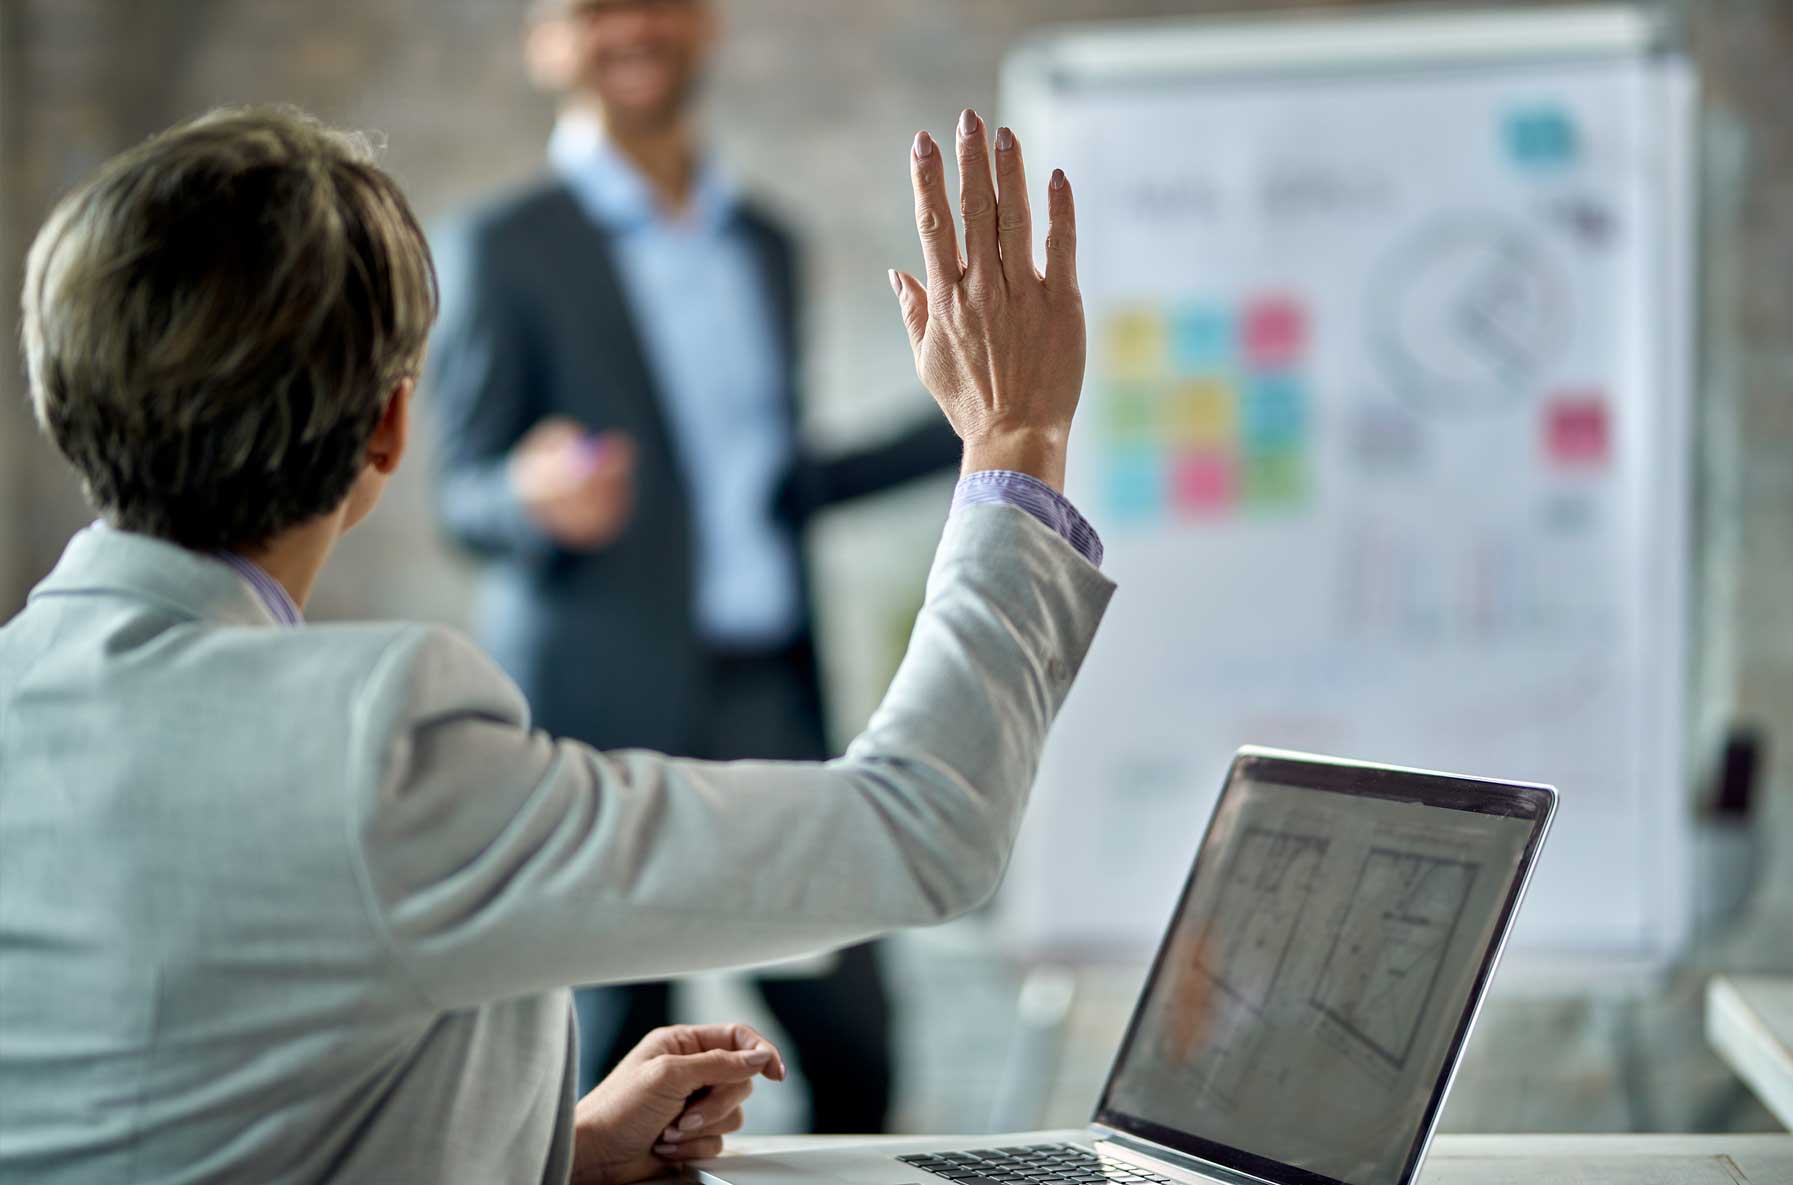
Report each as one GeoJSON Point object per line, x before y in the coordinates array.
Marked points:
{"type": "Point", "coordinates": [1204, 482]}
{"type": "Point", "coordinates": [1577, 430]}
{"type": "Point", "coordinates": [1275, 331]}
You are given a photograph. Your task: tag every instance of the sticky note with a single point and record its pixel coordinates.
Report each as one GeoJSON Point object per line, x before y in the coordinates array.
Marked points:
{"type": "Point", "coordinates": [1129, 412]}
{"type": "Point", "coordinates": [1577, 430]}
{"type": "Point", "coordinates": [1133, 483]}
{"type": "Point", "coordinates": [1275, 479]}
{"type": "Point", "coordinates": [1541, 137]}
{"type": "Point", "coordinates": [1275, 331]}
{"type": "Point", "coordinates": [1202, 339]}
{"type": "Point", "coordinates": [1202, 412]}
{"type": "Point", "coordinates": [1204, 483]}
{"type": "Point", "coordinates": [1134, 344]}
{"type": "Point", "coordinates": [1274, 412]}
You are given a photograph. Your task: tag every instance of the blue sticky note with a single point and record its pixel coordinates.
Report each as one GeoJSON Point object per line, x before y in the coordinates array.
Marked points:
{"type": "Point", "coordinates": [1202, 339]}
{"type": "Point", "coordinates": [1541, 138]}
{"type": "Point", "coordinates": [1274, 415]}
{"type": "Point", "coordinates": [1133, 483]}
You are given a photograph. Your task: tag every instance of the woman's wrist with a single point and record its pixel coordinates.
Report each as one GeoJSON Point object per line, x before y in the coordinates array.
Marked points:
{"type": "Point", "coordinates": [1037, 452]}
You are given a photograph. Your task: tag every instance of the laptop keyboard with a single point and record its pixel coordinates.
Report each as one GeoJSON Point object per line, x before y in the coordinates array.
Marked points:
{"type": "Point", "coordinates": [1037, 1164]}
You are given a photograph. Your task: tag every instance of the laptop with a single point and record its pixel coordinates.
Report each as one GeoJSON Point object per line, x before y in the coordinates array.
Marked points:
{"type": "Point", "coordinates": [1307, 1009]}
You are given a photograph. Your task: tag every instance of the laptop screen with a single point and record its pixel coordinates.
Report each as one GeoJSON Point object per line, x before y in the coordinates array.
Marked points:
{"type": "Point", "coordinates": [1309, 1003]}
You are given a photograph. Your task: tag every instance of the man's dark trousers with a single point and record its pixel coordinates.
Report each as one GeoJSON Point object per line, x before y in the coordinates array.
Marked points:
{"type": "Point", "coordinates": [838, 1023]}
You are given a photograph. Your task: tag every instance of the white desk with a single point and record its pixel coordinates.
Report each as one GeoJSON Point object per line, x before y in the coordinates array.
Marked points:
{"type": "Point", "coordinates": [1749, 1021]}
{"type": "Point", "coordinates": [1526, 1160]}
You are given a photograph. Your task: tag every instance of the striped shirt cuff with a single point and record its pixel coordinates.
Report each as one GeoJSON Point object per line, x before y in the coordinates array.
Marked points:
{"type": "Point", "coordinates": [1005, 487]}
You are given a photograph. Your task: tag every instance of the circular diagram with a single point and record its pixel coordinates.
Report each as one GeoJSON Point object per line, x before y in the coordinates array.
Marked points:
{"type": "Point", "coordinates": [1467, 313]}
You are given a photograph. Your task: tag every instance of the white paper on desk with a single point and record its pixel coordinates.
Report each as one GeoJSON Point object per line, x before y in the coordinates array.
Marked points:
{"type": "Point", "coordinates": [1604, 1170]}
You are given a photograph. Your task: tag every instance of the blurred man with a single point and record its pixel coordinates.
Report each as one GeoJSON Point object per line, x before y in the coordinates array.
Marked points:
{"type": "Point", "coordinates": [615, 378]}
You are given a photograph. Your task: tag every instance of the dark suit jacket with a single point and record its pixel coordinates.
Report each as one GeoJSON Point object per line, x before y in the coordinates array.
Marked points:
{"type": "Point", "coordinates": [535, 323]}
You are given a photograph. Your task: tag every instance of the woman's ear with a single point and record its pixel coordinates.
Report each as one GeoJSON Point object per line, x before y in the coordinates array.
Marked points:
{"type": "Point", "coordinates": [387, 446]}
{"type": "Point", "coordinates": [384, 451]}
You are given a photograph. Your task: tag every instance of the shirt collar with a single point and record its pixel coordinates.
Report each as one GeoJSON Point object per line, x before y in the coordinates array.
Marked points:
{"type": "Point", "coordinates": [615, 193]}
{"type": "Point", "coordinates": [272, 594]}
{"type": "Point", "coordinates": [197, 584]}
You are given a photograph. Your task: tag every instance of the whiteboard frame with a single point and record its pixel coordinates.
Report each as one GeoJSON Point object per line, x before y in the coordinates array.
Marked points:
{"type": "Point", "coordinates": [1295, 44]}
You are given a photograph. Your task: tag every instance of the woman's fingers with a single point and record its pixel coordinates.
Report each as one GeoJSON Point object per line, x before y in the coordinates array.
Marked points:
{"type": "Point", "coordinates": [977, 201]}
{"type": "Point", "coordinates": [694, 1039]}
{"type": "Point", "coordinates": [912, 298]}
{"type": "Point", "coordinates": [707, 1116]}
{"type": "Point", "coordinates": [933, 216]}
{"type": "Point", "coordinates": [705, 1149]}
{"type": "Point", "coordinates": [678, 1076]}
{"type": "Point", "coordinates": [1014, 221]}
{"type": "Point", "coordinates": [1061, 236]}
{"type": "Point", "coordinates": [721, 1124]}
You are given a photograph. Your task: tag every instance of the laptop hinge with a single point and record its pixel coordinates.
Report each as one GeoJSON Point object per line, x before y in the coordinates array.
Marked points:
{"type": "Point", "coordinates": [1177, 1165]}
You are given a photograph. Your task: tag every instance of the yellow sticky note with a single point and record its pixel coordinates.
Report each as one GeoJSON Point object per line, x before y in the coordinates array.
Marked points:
{"type": "Point", "coordinates": [1203, 412]}
{"type": "Point", "coordinates": [1135, 344]}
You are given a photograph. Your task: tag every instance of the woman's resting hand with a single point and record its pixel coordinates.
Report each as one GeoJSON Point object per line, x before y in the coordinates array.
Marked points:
{"type": "Point", "coordinates": [671, 1099]}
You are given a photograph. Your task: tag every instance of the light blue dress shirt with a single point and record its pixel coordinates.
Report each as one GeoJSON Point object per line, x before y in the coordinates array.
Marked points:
{"type": "Point", "coordinates": [701, 303]}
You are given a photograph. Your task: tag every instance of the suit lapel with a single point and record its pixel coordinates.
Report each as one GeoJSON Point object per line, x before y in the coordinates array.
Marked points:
{"type": "Point", "coordinates": [584, 253]}
{"type": "Point", "coordinates": [773, 253]}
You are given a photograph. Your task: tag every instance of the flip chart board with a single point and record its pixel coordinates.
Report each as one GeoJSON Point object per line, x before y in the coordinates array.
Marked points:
{"type": "Point", "coordinates": [1386, 430]}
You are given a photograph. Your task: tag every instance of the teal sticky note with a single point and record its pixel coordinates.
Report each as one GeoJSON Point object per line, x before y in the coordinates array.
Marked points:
{"type": "Point", "coordinates": [1541, 138]}
{"type": "Point", "coordinates": [1274, 415]}
{"type": "Point", "coordinates": [1133, 483]}
{"type": "Point", "coordinates": [1202, 339]}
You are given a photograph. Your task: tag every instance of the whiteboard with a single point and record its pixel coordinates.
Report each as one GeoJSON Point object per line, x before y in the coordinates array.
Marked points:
{"type": "Point", "coordinates": [1386, 429]}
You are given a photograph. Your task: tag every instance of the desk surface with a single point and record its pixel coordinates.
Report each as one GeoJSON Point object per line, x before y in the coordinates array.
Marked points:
{"type": "Point", "coordinates": [1749, 1021]}
{"type": "Point", "coordinates": [1522, 1160]}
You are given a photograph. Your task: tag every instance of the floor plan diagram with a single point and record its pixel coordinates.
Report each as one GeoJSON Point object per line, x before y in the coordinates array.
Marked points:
{"type": "Point", "coordinates": [1383, 967]}
{"type": "Point", "coordinates": [1268, 884]}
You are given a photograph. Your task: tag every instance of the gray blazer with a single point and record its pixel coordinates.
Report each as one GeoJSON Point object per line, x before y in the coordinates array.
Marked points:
{"type": "Point", "coordinates": [301, 905]}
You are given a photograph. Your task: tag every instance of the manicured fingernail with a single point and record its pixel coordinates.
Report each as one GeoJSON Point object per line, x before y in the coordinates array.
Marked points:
{"type": "Point", "coordinates": [1058, 178]}
{"type": "Point", "coordinates": [664, 1150]}
{"type": "Point", "coordinates": [1005, 139]}
{"type": "Point", "coordinates": [691, 1122]}
{"type": "Point", "coordinates": [896, 285]}
{"type": "Point", "coordinates": [967, 122]}
{"type": "Point", "coordinates": [758, 1057]}
{"type": "Point", "coordinates": [924, 145]}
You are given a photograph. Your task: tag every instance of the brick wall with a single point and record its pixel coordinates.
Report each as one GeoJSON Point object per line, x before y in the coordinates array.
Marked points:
{"type": "Point", "coordinates": [814, 102]}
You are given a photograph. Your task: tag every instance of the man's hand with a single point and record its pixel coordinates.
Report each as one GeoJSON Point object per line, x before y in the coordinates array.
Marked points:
{"type": "Point", "coordinates": [672, 1099]}
{"type": "Point", "coordinates": [580, 489]}
{"type": "Point", "coordinates": [1000, 346]}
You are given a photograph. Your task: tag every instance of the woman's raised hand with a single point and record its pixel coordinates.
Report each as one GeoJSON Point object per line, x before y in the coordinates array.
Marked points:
{"type": "Point", "coordinates": [1000, 345]}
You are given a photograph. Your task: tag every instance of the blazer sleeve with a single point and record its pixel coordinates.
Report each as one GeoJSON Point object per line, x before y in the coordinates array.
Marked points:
{"type": "Point", "coordinates": [481, 390]}
{"type": "Point", "coordinates": [498, 861]}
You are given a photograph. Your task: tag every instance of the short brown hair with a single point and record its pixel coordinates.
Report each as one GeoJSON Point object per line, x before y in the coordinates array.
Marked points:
{"type": "Point", "coordinates": [214, 323]}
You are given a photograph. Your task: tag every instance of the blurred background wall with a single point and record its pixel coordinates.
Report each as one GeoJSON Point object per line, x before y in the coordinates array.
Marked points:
{"type": "Point", "coordinates": [814, 104]}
